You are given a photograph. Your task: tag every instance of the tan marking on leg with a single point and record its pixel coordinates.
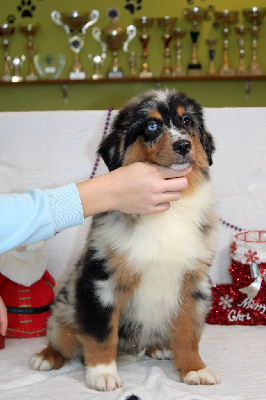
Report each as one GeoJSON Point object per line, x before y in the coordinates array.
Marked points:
{"type": "Point", "coordinates": [53, 357]}
{"type": "Point", "coordinates": [186, 332]}
{"type": "Point", "coordinates": [67, 340]}
{"type": "Point", "coordinates": [181, 111]}
{"type": "Point", "coordinates": [96, 352]}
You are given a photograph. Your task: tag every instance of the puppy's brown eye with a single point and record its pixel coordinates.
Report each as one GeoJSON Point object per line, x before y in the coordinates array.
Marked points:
{"type": "Point", "coordinates": [153, 127]}
{"type": "Point", "coordinates": [186, 121]}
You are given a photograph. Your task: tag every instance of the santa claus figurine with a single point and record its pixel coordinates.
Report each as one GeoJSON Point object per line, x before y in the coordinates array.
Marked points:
{"type": "Point", "coordinates": [26, 288]}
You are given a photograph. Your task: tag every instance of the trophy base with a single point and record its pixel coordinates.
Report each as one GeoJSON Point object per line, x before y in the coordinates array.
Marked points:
{"type": "Point", "coordinates": [6, 78]}
{"type": "Point", "coordinates": [115, 74]}
{"type": "Point", "coordinates": [31, 77]}
{"type": "Point", "coordinates": [227, 72]}
{"type": "Point", "coordinates": [194, 69]}
{"type": "Point", "coordinates": [77, 75]}
{"type": "Point", "coordinates": [17, 78]}
{"type": "Point", "coordinates": [242, 72]}
{"type": "Point", "coordinates": [258, 71]}
{"type": "Point", "coordinates": [145, 74]}
{"type": "Point", "coordinates": [97, 76]}
{"type": "Point", "coordinates": [178, 73]}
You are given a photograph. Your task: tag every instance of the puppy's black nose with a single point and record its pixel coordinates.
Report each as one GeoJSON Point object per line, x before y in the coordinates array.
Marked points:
{"type": "Point", "coordinates": [182, 147]}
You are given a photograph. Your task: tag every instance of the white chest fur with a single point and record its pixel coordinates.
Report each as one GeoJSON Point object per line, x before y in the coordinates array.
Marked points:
{"type": "Point", "coordinates": [163, 248]}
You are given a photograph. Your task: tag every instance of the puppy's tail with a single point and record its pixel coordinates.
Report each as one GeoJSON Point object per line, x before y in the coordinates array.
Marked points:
{"type": "Point", "coordinates": [126, 359]}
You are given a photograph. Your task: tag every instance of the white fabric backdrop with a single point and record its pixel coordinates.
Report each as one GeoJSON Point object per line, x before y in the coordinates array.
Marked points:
{"type": "Point", "coordinates": [49, 149]}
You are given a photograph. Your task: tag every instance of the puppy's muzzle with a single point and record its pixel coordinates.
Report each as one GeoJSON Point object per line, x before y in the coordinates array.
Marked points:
{"type": "Point", "coordinates": [182, 147]}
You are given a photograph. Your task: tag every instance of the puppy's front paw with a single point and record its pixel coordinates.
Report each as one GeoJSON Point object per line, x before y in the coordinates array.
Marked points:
{"type": "Point", "coordinates": [103, 377]}
{"type": "Point", "coordinates": [205, 376]}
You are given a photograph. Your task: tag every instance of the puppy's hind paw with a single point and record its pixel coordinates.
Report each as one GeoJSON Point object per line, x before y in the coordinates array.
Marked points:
{"type": "Point", "coordinates": [103, 378]}
{"type": "Point", "coordinates": [205, 376]}
{"type": "Point", "coordinates": [47, 359]}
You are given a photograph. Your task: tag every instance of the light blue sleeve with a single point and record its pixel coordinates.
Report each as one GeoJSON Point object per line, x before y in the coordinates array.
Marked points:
{"type": "Point", "coordinates": [37, 215]}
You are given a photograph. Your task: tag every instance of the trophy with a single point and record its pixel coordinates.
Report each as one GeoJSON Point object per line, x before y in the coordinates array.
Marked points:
{"type": "Point", "coordinates": [133, 58]}
{"type": "Point", "coordinates": [97, 62]}
{"type": "Point", "coordinates": [226, 18]}
{"type": "Point", "coordinates": [178, 35]}
{"type": "Point", "coordinates": [166, 23]}
{"type": "Point", "coordinates": [144, 24]}
{"type": "Point", "coordinates": [211, 43]}
{"type": "Point", "coordinates": [98, 59]}
{"type": "Point", "coordinates": [241, 32]}
{"type": "Point", "coordinates": [6, 31]}
{"type": "Point", "coordinates": [49, 65]}
{"type": "Point", "coordinates": [16, 64]}
{"type": "Point", "coordinates": [29, 31]}
{"type": "Point", "coordinates": [75, 23]}
{"type": "Point", "coordinates": [195, 16]}
{"type": "Point", "coordinates": [254, 15]}
{"type": "Point", "coordinates": [116, 37]}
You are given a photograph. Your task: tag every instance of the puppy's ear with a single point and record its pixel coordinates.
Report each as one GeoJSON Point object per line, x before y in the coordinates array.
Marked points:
{"type": "Point", "coordinates": [110, 150]}
{"type": "Point", "coordinates": [208, 144]}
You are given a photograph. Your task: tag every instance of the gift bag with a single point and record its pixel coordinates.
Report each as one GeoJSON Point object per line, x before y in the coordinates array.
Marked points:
{"type": "Point", "coordinates": [244, 301]}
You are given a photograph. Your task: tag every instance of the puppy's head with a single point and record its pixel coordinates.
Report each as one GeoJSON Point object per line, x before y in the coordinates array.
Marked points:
{"type": "Point", "coordinates": [161, 127]}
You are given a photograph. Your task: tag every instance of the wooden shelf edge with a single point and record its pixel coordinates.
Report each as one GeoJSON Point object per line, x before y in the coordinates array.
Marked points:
{"type": "Point", "coordinates": [155, 79]}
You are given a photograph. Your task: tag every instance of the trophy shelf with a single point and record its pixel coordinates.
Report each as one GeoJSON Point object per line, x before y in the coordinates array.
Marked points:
{"type": "Point", "coordinates": [155, 79]}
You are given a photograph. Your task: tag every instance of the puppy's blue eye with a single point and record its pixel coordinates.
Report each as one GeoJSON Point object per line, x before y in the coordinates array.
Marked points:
{"type": "Point", "coordinates": [153, 127]}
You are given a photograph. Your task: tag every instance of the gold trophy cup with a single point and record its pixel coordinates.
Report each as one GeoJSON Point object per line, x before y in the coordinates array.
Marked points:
{"type": "Point", "coordinates": [195, 16]}
{"type": "Point", "coordinates": [226, 18]}
{"type": "Point", "coordinates": [6, 31]}
{"type": "Point", "coordinates": [211, 43]}
{"type": "Point", "coordinates": [116, 37]}
{"type": "Point", "coordinates": [98, 59]}
{"type": "Point", "coordinates": [16, 64]}
{"type": "Point", "coordinates": [178, 35]}
{"type": "Point", "coordinates": [241, 32]}
{"type": "Point", "coordinates": [255, 15]}
{"type": "Point", "coordinates": [144, 24]}
{"type": "Point", "coordinates": [75, 24]}
{"type": "Point", "coordinates": [167, 24]}
{"type": "Point", "coordinates": [29, 31]}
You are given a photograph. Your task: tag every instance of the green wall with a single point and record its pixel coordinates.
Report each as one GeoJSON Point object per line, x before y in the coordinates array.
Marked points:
{"type": "Point", "coordinates": [100, 95]}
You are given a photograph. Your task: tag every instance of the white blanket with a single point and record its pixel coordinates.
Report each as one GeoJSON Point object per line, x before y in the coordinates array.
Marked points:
{"type": "Point", "coordinates": [237, 353]}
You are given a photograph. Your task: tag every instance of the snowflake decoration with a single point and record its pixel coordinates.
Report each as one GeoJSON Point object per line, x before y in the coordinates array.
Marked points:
{"type": "Point", "coordinates": [226, 302]}
{"type": "Point", "coordinates": [251, 257]}
{"type": "Point", "coordinates": [233, 248]}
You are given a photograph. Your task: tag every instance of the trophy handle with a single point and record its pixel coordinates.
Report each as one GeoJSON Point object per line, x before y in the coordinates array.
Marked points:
{"type": "Point", "coordinates": [96, 34]}
{"type": "Point", "coordinates": [131, 33]}
{"type": "Point", "coordinates": [93, 18]}
{"type": "Point", "coordinates": [56, 17]}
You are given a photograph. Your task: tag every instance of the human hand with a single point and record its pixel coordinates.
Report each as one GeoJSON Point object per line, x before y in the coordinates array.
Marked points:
{"type": "Point", "coordinates": [138, 188]}
{"type": "Point", "coordinates": [142, 188]}
{"type": "Point", "coordinates": [3, 317]}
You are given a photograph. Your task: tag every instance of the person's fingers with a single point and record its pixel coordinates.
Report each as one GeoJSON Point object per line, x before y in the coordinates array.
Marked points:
{"type": "Point", "coordinates": [175, 184]}
{"type": "Point", "coordinates": [162, 207]}
{"type": "Point", "coordinates": [170, 196]}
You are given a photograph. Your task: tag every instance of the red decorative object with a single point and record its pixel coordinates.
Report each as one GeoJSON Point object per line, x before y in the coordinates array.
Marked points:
{"type": "Point", "coordinates": [2, 342]}
{"type": "Point", "coordinates": [243, 302]}
{"type": "Point", "coordinates": [26, 288]}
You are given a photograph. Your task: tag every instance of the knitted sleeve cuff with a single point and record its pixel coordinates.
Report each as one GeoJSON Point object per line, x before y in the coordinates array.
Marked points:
{"type": "Point", "coordinates": [66, 207]}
